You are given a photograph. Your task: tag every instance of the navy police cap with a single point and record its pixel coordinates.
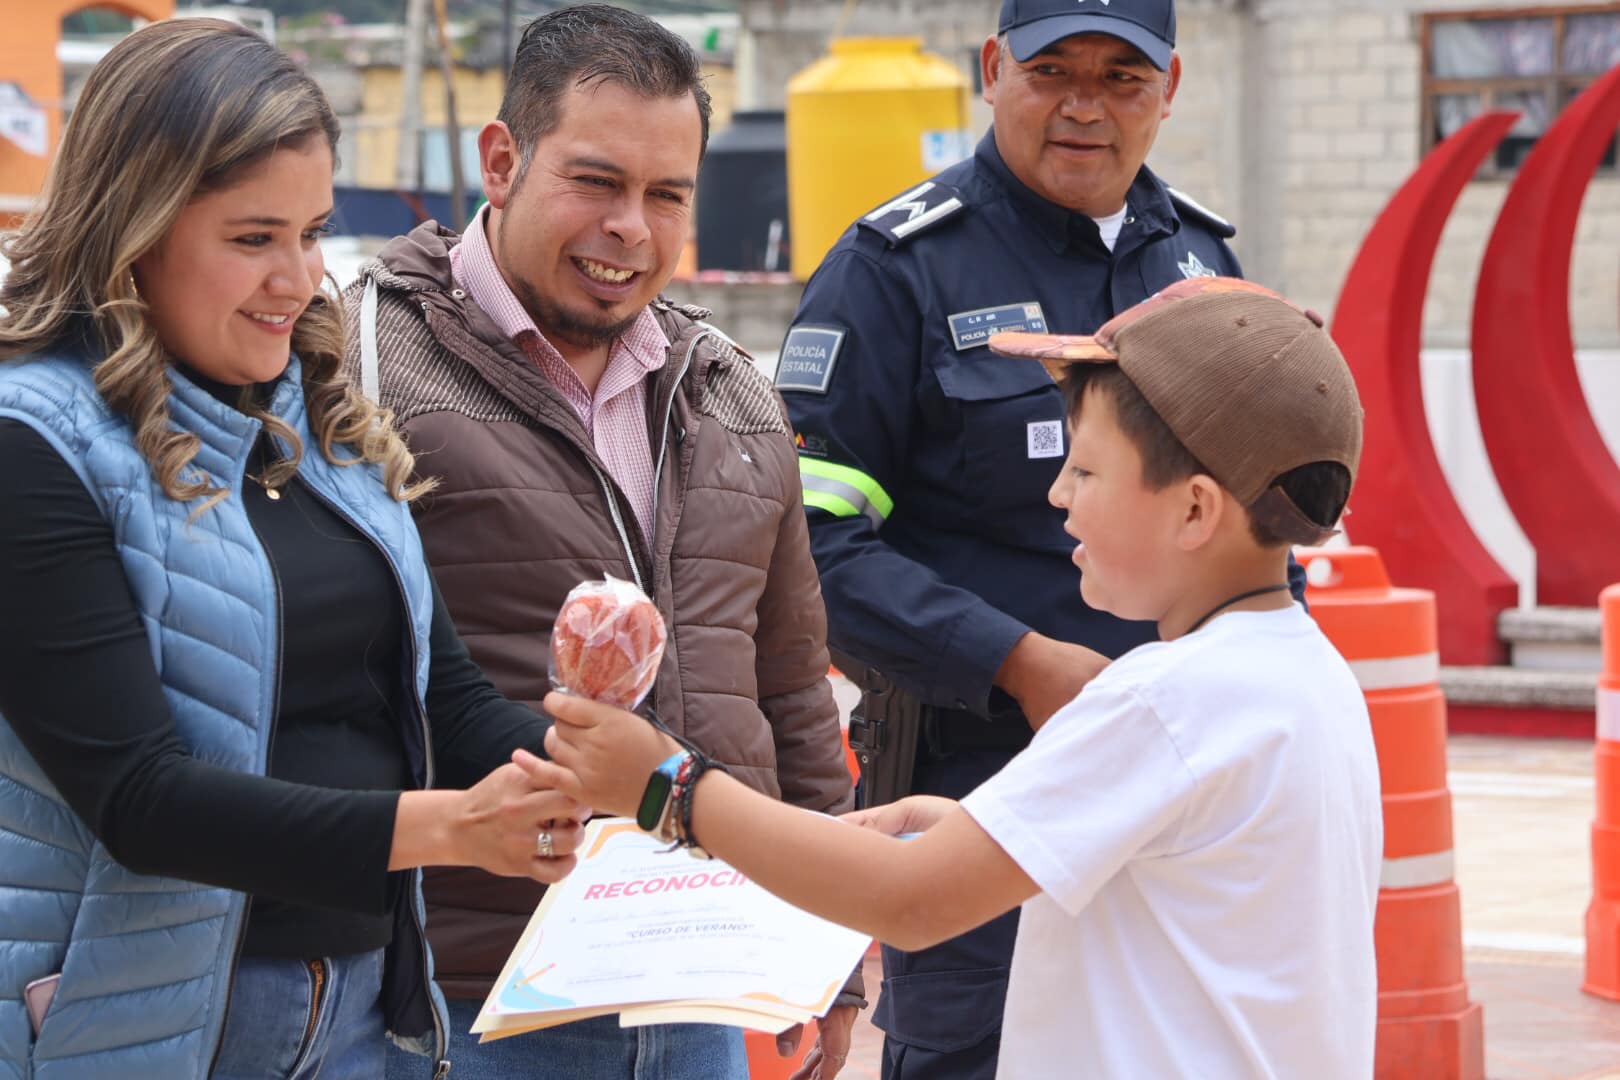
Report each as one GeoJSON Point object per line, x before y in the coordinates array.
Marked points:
{"type": "Point", "coordinates": [1033, 25]}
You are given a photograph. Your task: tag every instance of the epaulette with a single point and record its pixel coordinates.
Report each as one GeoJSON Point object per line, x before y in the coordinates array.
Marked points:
{"type": "Point", "coordinates": [1187, 207]}
{"type": "Point", "coordinates": [918, 210]}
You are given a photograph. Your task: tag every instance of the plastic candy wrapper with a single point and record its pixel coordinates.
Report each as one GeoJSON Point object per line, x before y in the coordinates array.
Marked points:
{"type": "Point", "coordinates": [607, 643]}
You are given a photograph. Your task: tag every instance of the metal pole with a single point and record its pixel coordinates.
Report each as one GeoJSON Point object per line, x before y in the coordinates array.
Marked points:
{"type": "Point", "coordinates": [507, 15]}
{"type": "Point", "coordinates": [407, 162]}
{"type": "Point", "coordinates": [452, 129]}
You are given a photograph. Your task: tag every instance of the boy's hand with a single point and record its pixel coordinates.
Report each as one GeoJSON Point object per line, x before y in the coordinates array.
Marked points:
{"type": "Point", "coordinates": [913, 814]}
{"type": "Point", "coordinates": [610, 752]}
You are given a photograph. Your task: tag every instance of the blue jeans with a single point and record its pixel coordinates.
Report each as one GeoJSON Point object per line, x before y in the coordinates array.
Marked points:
{"type": "Point", "coordinates": [596, 1049]}
{"type": "Point", "coordinates": [296, 1019]}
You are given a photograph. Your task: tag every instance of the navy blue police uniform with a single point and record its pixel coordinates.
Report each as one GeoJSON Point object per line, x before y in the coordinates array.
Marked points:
{"type": "Point", "coordinates": [926, 462]}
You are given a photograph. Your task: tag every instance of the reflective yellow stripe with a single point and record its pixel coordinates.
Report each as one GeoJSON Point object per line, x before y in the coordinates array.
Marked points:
{"type": "Point", "coordinates": [834, 505]}
{"type": "Point", "coordinates": [842, 491]}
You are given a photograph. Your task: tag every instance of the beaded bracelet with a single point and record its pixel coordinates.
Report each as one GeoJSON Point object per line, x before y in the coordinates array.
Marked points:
{"type": "Point", "coordinates": [692, 769]}
{"type": "Point", "coordinates": [678, 826]}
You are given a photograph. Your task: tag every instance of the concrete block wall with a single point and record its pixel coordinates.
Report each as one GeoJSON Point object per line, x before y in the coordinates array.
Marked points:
{"type": "Point", "coordinates": [753, 313]}
{"type": "Point", "coordinates": [1300, 118]}
{"type": "Point", "coordinates": [1204, 147]}
{"type": "Point", "coordinates": [1297, 119]}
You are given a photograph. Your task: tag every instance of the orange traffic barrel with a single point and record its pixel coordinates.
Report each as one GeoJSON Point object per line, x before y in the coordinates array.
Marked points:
{"type": "Point", "coordinates": [1427, 1027]}
{"type": "Point", "coordinates": [1603, 914]}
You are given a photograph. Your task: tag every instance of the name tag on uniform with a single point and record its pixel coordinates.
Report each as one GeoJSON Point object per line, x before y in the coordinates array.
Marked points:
{"type": "Point", "coordinates": [971, 329]}
{"type": "Point", "coordinates": [807, 359]}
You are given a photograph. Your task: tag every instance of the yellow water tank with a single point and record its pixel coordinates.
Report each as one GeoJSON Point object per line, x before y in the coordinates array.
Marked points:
{"type": "Point", "coordinates": [864, 124]}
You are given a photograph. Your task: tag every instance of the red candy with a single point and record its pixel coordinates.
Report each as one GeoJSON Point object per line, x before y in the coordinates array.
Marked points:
{"type": "Point", "coordinates": [607, 643]}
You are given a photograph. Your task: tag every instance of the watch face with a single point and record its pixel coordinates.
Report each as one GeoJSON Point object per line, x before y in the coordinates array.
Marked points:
{"type": "Point", "coordinates": [651, 810]}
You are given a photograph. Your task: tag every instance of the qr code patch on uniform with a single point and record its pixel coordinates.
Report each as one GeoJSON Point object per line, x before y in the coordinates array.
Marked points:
{"type": "Point", "coordinates": [1045, 439]}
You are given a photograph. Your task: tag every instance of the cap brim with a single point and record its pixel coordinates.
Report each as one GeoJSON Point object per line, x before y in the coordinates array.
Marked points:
{"type": "Point", "coordinates": [1281, 516]}
{"type": "Point", "coordinates": [1056, 352]}
{"type": "Point", "coordinates": [1027, 40]}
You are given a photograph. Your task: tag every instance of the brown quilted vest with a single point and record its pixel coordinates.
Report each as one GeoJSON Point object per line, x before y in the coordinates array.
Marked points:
{"type": "Point", "coordinates": [525, 510]}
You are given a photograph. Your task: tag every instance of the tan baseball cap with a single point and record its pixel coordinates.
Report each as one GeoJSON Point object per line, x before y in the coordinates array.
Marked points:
{"type": "Point", "coordinates": [1251, 384]}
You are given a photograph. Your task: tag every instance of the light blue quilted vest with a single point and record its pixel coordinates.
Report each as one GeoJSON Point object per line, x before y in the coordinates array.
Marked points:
{"type": "Point", "coordinates": [146, 961]}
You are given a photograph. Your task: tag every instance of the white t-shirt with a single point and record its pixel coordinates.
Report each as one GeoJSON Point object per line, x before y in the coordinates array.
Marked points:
{"type": "Point", "coordinates": [1205, 826]}
{"type": "Point", "coordinates": [1109, 227]}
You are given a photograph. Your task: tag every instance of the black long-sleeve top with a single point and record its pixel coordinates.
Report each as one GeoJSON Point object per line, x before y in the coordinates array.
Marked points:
{"type": "Point", "coordinates": [310, 841]}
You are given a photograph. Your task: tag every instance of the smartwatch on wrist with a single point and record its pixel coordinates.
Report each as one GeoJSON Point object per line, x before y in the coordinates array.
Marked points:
{"type": "Point", "coordinates": [655, 798]}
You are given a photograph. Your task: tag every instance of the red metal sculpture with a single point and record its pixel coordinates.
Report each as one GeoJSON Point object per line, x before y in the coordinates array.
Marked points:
{"type": "Point", "coordinates": [1402, 503]}
{"type": "Point", "coordinates": [1549, 457]}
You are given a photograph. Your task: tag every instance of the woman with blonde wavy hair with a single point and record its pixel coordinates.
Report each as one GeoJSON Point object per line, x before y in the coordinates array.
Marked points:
{"type": "Point", "coordinates": [227, 682]}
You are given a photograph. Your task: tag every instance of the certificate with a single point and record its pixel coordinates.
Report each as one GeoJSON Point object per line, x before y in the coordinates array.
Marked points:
{"type": "Point", "coordinates": [661, 937]}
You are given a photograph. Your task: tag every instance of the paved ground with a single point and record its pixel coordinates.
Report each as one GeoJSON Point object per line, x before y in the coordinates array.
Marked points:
{"type": "Point", "coordinates": [1522, 813]}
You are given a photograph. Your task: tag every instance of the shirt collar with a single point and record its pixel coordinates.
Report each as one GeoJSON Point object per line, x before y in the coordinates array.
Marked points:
{"type": "Point", "coordinates": [1150, 204]}
{"type": "Point", "coordinates": [1062, 228]}
{"type": "Point", "coordinates": [473, 266]}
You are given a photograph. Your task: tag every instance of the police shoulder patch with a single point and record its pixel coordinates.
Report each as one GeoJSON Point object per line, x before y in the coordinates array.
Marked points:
{"type": "Point", "coordinates": [1188, 207]}
{"type": "Point", "coordinates": [923, 207]}
{"type": "Point", "coordinates": [808, 356]}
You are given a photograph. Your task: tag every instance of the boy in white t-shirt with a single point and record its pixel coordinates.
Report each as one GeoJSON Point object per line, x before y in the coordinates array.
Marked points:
{"type": "Point", "coordinates": [1196, 838]}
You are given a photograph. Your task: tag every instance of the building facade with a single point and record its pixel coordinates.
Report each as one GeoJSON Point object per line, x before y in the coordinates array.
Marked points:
{"type": "Point", "coordinates": [1298, 119]}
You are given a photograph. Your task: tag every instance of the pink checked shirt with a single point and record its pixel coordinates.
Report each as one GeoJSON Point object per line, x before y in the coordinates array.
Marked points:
{"type": "Point", "coordinates": [616, 417]}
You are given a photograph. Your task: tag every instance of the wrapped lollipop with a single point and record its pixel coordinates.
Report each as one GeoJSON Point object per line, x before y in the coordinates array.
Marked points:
{"type": "Point", "coordinates": [607, 643]}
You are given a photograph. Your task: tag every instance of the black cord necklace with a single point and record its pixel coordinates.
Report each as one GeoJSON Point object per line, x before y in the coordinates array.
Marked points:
{"type": "Point", "coordinates": [1239, 598]}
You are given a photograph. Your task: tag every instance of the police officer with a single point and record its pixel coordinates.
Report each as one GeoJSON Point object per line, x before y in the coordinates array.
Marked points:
{"type": "Point", "coordinates": [926, 459]}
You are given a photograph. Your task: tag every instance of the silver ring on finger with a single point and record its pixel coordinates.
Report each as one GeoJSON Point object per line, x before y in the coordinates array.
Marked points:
{"type": "Point", "coordinates": [544, 845]}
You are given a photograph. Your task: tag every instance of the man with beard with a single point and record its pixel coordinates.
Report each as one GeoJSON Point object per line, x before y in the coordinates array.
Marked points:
{"type": "Point", "coordinates": [578, 425]}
